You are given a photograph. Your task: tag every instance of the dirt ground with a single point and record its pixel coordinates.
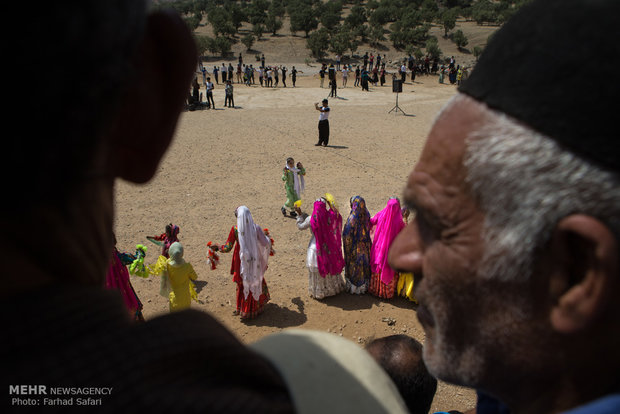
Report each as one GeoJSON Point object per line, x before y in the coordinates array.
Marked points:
{"type": "Point", "coordinates": [227, 157]}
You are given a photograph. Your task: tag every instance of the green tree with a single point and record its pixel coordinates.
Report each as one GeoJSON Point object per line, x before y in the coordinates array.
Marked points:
{"type": "Point", "coordinates": [192, 22]}
{"type": "Point", "coordinates": [223, 45]}
{"type": "Point", "coordinates": [221, 21]}
{"type": "Point", "coordinates": [448, 20]}
{"type": "Point", "coordinates": [429, 10]}
{"type": "Point", "coordinates": [273, 24]}
{"type": "Point", "coordinates": [248, 41]}
{"type": "Point", "coordinates": [484, 11]}
{"type": "Point", "coordinates": [357, 17]}
{"type": "Point", "coordinates": [460, 39]}
{"type": "Point", "coordinates": [318, 42]}
{"type": "Point", "coordinates": [340, 41]}
{"type": "Point", "coordinates": [237, 15]}
{"type": "Point", "coordinates": [303, 18]}
{"type": "Point", "coordinates": [432, 48]}
{"type": "Point", "coordinates": [277, 8]}
{"type": "Point", "coordinates": [258, 30]}
{"type": "Point", "coordinates": [201, 44]}
{"type": "Point", "coordinates": [330, 18]}
{"type": "Point", "coordinates": [376, 35]}
{"type": "Point", "coordinates": [256, 13]}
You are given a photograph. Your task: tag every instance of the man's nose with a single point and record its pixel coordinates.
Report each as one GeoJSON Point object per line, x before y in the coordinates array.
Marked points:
{"type": "Point", "coordinates": [405, 253]}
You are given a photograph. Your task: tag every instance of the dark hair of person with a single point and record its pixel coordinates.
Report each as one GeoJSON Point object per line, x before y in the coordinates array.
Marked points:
{"type": "Point", "coordinates": [401, 357]}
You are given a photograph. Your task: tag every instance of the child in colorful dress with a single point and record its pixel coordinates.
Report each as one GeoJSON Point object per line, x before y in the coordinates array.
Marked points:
{"type": "Point", "coordinates": [294, 184]}
{"type": "Point", "coordinates": [388, 222]}
{"type": "Point", "coordinates": [117, 278]}
{"type": "Point", "coordinates": [252, 248]}
{"type": "Point", "coordinates": [166, 239]}
{"type": "Point", "coordinates": [180, 275]}
{"type": "Point", "coordinates": [324, 257]}
{"type": "Point", "coordinates": [356, 242]}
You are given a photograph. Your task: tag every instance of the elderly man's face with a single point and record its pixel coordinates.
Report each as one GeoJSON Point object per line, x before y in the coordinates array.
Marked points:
{"type": "Point", "coordinates": [444, 247]}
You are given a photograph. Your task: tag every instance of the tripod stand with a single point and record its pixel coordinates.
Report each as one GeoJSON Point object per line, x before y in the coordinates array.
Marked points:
{"type": "Point", "coordinates": [396, 107]}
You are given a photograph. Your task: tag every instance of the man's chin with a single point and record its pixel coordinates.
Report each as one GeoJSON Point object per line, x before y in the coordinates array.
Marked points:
{"type": "Point", "coordinates": [446, 366]}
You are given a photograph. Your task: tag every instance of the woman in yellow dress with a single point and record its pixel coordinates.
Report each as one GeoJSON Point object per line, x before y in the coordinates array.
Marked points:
{"type": "Point", "coordinates": [177, 276]}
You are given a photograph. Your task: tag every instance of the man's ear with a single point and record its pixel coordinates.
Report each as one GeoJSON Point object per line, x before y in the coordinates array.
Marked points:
{"type": "Point", "coordinates": [584, 275]}
{"type": "Point", "coordinates": [164, 63]}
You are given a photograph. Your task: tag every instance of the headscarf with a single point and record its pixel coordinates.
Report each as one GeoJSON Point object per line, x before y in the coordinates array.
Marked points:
{"type": "Point", "coordinates": [298, 180]}
{"type": "Point", "coordinates": [358, 223]}
{"type": "Point", "coordinates": [356, 238]}
{"type": "Point", "coordinates": [176, 254]}
{"type": "Point", "coordinates": [326, 227]}
{"type": "Point", "coordinates": [389, 222]}
{"type": "Point", "coordinates": [252, 254]}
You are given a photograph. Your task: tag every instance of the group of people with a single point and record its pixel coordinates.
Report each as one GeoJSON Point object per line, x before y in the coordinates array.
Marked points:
{"type": "Point", "coordinates": [359, 248]}
{"type": "Point", "coordinates": [268, 76]}
{"type": "Point", "coordinates": [515, 240]}
{"type": "Point", "coordinates": [456, 73]}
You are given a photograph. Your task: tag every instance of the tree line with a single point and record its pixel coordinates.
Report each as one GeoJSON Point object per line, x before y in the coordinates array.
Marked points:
{"type": "Point", "coordinates": [404, 23]}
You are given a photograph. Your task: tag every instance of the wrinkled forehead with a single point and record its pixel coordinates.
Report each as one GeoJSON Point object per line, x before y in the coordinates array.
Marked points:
{"type": "Point", "coordinates": [445, 148]}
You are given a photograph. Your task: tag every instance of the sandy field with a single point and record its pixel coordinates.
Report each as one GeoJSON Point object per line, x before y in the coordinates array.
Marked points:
{"type": "Point", "coordinates": [227, 157]}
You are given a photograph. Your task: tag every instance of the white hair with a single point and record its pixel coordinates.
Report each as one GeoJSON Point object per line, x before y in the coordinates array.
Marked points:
{"type": "Point", "coordinates": [525, 182]}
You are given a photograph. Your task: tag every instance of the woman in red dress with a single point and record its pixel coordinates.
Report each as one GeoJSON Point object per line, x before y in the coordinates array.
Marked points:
{"type": "Point", "coordinates": [251, 253]}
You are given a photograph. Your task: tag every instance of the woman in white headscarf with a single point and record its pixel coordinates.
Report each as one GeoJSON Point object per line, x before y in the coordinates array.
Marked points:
{"type": "Point", "coordinates": [250, 256]}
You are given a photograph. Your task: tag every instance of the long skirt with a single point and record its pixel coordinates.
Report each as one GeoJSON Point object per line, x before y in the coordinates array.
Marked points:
{"type": "Point", "coordinates": [321, 287]}
{"type": "Point", "coordinates": [380, 289]}
{"type": "Point", "coordinates": [249, 307]}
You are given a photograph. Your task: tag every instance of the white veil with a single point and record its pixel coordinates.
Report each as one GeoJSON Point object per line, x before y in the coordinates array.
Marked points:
{"type": "Point", "coordinates": [254, 248]}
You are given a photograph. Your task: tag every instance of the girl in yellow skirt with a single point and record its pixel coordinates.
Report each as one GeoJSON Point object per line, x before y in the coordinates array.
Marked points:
{"type": "Point", "coordinates": [177, 276]}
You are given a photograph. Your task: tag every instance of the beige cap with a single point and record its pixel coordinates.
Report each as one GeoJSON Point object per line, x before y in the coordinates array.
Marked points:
{"type": "Point", "coordinates": [326, 373]}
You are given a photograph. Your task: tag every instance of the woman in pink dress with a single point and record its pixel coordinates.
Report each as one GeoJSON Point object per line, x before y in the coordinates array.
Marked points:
{"type": "Point", "coordinates": [388, 222]}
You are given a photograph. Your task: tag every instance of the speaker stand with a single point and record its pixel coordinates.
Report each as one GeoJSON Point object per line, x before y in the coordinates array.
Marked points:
{"type": "Point", "coordinates": [396, 107]}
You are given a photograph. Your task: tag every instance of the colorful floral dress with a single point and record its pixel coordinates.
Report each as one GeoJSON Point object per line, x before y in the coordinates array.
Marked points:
{"type": "Point", "coordinates": [357, 243]}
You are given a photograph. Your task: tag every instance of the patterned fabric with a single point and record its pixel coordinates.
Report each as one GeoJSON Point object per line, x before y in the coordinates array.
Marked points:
{"type": "Point", "coordinates": [357, 243]}
{"type": "Point", "coordinates": [380, 289]}
{"type": "Point", "coordinates": [327, 229]}
{"type": "Point", "coordinates": [389, 222]}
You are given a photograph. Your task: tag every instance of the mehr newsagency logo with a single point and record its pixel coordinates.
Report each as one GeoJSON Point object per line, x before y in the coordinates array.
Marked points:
{"type": "Point", "coordinates": [43, 395]}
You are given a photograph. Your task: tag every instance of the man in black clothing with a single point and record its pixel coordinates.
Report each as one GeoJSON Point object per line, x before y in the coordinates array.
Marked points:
{"type": "Point", "coordinates": [323, 123]}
